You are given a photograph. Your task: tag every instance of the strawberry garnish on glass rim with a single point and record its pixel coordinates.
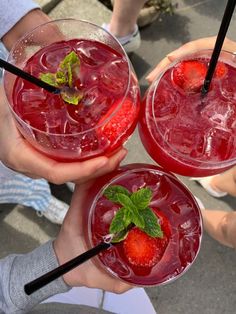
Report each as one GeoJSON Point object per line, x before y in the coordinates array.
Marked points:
{"type": "Point", "coordinates": [137, 226]}
{"type": "Point", "coordinates": [189, 75]}
{"type": "Point", "coordinates": [221, 70]}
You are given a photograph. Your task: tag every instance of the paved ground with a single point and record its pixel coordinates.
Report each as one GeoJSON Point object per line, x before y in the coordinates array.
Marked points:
{"type": "Point", "coordinates": [209, 287]}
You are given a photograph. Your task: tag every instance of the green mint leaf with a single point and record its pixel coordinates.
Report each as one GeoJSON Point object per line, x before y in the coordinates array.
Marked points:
{"type": "Point", "coordinates": [127, 217]}
{"type": "Point", "coordinates": [70, 76]}
{"type": "Point", "coordinates": [120, 236]}
{"type": "Point", "coordinates": [49, 78]}
{"type": "Point", "coordinates": [152, 226]}
{"type": "Point", "coordinates": [70, 65]}
{"type": "Point", "coordinates": [136, 215]}
{"type": "Point", "coordinates": [134, 211]}
{"type": "Point", "coordinates": [71, 99]}
{"type": "Point", "coordinates": [118, 222]}
{"type": "Point", "coordinates": [125, 200]}
{"type": "Point", "coordinates": [112, 191]}
{"type": "Point", "coordinates": [68, 70]}
{"type": "Point", "coordinates": [121, 220]}
{"type": "Point", "coordinates": [70, 59]}
{"type": "Point", "coordinates": [142, 198]}
{"type": "Point", "coordinates": [61, 78]}
{"type": "Point", "coordinates": [137, 218]}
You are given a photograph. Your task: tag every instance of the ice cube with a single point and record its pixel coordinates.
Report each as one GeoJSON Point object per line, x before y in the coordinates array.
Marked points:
{"type": "Point", "coordinates": [94, 97]}
{"type": "Point", "coordinates": [187, 248]}
{"type": "Point", "coordinates": [185, 139]}
{"type": "Point", "coordinates": [55, 120]}
{"type": "Point", "coordinates": [228, 88]}
{"type": "Point", "coordinates": [94, 54]}
{"type": "Point", "coordinates": [220, 144]}
{"type": "Point", "coordinates": [166, 104]}
{"type": "Point", "coordinates": [114, 77]}
{"type": "Point", "coordinates": [219, 113]}
{"type": "Point", "coordinates": [108, 216]}
{"type": "Point", "coordinates": [33, 95]}
{"type": "Point", "coordinates": [181, 207]}
{"type": "Point", "coordinates": [51, 58]}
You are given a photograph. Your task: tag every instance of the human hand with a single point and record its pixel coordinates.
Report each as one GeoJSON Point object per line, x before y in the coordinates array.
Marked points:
{"type": "Point", "coordinates": [195, 45]}
{"type": "Point", "coordinates": [18, 155]}
{"type": "Point", "coordinates": [71, 242]}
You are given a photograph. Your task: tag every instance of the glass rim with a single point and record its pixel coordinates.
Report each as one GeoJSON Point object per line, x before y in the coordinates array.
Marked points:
{"type": "Point", "coordinates": [161, 171]}
{"type": "Point", "coordinates": [61, 20]}
{"type": "Point", "coordinates": [204, 164]}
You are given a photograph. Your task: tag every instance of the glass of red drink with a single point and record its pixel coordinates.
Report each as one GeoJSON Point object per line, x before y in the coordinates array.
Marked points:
{"type": "Point", "coordinates": [140, 258]}
{"type": "Point", "coordinates": [106, 111]}
{"type": "Point", "coordinates": [185, 132]}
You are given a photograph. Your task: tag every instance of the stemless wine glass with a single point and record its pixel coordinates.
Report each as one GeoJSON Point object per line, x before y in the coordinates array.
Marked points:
{"type": "Point", "coordinates": [184, 131]}
{"type": "Point", "coordinates": [108, 110]}
{"type": "Point", "coordinates": [173, 204]}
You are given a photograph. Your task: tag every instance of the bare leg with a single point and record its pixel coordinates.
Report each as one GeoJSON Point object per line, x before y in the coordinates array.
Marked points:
{"type": "Point", "coordinates": [221, 225]}
{"type": "Point", "coordinates": [124, 17]}
{"type": "Point", "coordinates": [225, 182]}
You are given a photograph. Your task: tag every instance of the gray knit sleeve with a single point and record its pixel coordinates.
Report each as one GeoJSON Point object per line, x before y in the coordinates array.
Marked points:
{"type": "Point", "coordinates": [17, 270]}
{"type": "Point", "coordinates": [12, 11]}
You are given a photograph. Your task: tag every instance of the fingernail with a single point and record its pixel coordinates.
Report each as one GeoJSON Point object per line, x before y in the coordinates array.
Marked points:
{"type": "Point", "coordinates": [171, 57]}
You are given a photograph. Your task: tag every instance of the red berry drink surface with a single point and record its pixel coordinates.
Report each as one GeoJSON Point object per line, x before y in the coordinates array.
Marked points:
{"type": "Point", "coordinates": [141, 259]}
{"type": "Point", "coordinates": [104, 118]}
{"type": "Point", "coordinates": [184, 132]}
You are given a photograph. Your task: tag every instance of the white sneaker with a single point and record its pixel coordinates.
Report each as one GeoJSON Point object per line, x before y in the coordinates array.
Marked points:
{"type": "Point", "coordinates": [71, 186]}
{"type": "Point", "coordinates": [205, 182]}
{"type": "Point", "coordinates": [130, 42]}
{"type": "Point", "coordinates": [55, 212]}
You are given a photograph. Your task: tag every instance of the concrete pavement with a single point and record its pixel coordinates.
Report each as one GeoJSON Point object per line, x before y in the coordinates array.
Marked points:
{"type": "Point", "coordinates": [209, 287]}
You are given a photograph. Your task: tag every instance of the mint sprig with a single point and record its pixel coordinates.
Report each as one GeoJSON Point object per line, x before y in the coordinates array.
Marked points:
{"type": "Point", "coordinates": [66, 74]}
{"type": "Point", "coordinates": [135, 211]}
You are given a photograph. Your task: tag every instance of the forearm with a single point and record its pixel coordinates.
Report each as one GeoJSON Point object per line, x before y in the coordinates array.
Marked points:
{"type": "Point", "coordinates": [27, 23]}
{"type": "Point", "coordinates": [221, 225]}
{"type": "Point", "coordinates": [17, 270]}
{"type": "Point", "coordinates": [19, 17]}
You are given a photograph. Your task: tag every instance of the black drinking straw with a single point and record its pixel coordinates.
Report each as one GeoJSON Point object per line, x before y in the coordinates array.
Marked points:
{"type": "Point", "coordinates": [45, 279]}
{"type": "Point", "coordinates": [28, 77]}
{"type": "Point", "coordinates": [229, 10]}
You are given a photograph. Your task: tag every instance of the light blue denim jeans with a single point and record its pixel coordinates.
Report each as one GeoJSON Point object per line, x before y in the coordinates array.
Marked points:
{"type": "Point", "coordinates": [3, 55]}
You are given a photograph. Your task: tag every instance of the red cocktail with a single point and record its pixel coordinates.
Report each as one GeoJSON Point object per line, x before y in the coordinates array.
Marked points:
{"type": "Point", "coordinates": [185, 132]}
{"type": "Point", "coordinates": [82, 56]}
{"type": "Point", "coordinates": [152, 251]}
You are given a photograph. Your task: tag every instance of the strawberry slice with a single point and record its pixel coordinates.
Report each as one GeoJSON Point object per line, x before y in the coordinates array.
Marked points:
{"type": "Point", "coordinates": [189, 75]}
{"type": "Point", "coordinates": [144, 251]}
{"type": "Point", "coordinates": [117, 121]}
{"type": "Point", "coordinates": [141, 249]}
{"type": "Point", "coordinates": [221, 70]}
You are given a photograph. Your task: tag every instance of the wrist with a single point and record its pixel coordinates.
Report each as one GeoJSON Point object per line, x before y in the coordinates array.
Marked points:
{"type": "Point", "coordinates": [28, 22]}
{"type": "Point", "coordinates": [61, 249]}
